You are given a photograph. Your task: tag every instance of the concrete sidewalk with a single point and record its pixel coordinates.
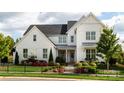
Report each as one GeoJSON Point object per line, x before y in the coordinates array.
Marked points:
{"type": "Point", "coordinates": [35, 79]}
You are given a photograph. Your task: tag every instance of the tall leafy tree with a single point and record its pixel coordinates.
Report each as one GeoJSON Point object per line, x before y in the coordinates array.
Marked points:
{"type": "Point", "coordinates": [108, 45]}
{"type": "Point", "coordinates": [10, 41]}
{"type": "Point", "coordinates": [6, 44]}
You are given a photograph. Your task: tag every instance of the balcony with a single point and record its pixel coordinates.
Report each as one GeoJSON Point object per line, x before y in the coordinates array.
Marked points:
{"type": "Point", "coordinates": [90, 44]}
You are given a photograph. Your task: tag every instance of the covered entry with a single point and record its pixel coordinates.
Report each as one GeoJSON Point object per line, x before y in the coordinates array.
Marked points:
{"type": "Point", "coordinates": [68, 53]}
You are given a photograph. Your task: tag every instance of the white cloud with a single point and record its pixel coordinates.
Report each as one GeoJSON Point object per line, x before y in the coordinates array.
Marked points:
{"type": "Point", "coordinates": [114, 20]}
{"type": "Point", "coordinates": [19, 22]}
{"type": "Point", "coordinates": [118, 23]}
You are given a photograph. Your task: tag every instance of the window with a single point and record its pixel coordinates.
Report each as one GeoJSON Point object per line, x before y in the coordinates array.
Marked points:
{"type": "Point", "coordinates": [25, 53]}
{"type": "Point", "coordinates": [87, 35]}
{"type": "Point", "coordinates": [62, 39]}
{"type": "Point", "coordinates": [72, 39]}
{"type": "Point", "coordinates": [93, 35]}
{"type": "Point", "coordinates": [44, 53]}
{"type": "Point", "coordinates": [34, 37]}
{"type": "Point", "coordinates": [93, 54]}
{"type": "Point", "coordinates": [90, 53]}
{"type": "Point", "coordinates": [90, 35]}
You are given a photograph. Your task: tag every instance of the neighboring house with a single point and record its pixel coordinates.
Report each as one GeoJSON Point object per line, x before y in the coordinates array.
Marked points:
{"type": "Point", "coordinates": [74, 41]}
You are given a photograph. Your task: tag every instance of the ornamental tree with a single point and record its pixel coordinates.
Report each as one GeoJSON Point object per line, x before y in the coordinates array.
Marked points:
{"type": "Point", "coordinates": [108, 45]}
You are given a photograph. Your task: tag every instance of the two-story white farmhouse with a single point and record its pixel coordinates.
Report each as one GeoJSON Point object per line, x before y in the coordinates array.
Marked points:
{"type": "Point", "coordinates": [75, 41]}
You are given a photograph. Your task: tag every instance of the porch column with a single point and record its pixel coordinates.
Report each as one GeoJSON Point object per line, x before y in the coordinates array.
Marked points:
{"type": "Point", "coordinates": [66, 56]}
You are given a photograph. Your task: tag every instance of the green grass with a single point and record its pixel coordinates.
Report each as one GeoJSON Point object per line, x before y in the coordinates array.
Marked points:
{"type": "Point", "coordinates": [23, 69]}
{"type": "Point", "coordinates": [71, 76]}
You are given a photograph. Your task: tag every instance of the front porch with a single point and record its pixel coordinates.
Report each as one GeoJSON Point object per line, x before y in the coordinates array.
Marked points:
{"type": "Point", "coordinates": [67, 53]}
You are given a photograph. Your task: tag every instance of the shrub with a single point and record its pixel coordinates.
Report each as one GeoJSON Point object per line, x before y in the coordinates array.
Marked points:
{"type": "Point", "coordinates": [60, 60]}
{"type": "Point", "coordinates": [51, 64]}
{"type": "Point", "coordinates": [85, 64]}
{"type": "Point", "coordinates": [85, 69]}
{"type": "Point", "coordinates": [51, 57]}
{"type": "Point", "coordinates": [57, 64]}
{"type": "Point", "coordinates": [92, 69]}
{"type": "Point", "coordinates": [45, 70]}
{"type": "Point", "coordinates": [16, 58]}
{"type": "Point", "coordinates": [4, 60]}
{"type": "Point", "coordinates": [40, 63]}
{"type": "Point", "coordinates": [78, 64]}
{"type": "Point", "coordinates": [92, 64]}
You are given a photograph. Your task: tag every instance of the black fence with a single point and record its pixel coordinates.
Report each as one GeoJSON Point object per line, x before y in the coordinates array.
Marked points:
{"type": "Point", "coordinates": [11, 68]}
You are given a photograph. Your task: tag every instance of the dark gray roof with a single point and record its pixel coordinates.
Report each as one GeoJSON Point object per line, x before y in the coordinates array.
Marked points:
{"type": "Point", "coordinates": [50, 29]}
{"type": "Point", "coordinates": [70, 24]}
{"type": "Point", "coordinates": [53, 29]}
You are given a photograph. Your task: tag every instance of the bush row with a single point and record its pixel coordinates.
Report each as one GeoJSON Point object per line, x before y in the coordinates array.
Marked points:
{"type": "Point", "coordinates": [79, 64]}
{"type": "Point", "coordinates": [85, 67]}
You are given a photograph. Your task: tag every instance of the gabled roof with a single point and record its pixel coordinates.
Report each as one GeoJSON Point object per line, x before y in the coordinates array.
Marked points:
{"type": "Point", "coordinates": [70, 24]}
{"type": "Point", "coordinates": [55, 29]}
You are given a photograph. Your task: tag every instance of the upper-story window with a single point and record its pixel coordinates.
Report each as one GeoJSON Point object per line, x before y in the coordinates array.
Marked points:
{"type": "Point", "coordinates": [91, 35]}
{"type": "Point", "coordinates": [87, 35]}
{"type": "Point", "coordinates": [62, 39]}
{"type": "Point", "coordinates": [34, 38]}
{"type": "Point", "coordinates": [72, 39]}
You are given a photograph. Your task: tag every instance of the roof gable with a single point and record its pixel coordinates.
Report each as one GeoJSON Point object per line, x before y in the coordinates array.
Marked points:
{"type": "Point", "coordinates": [96, 20]}
{"type": "Point", "coordinates": [31, 28]}
{"type": "Point", "coordinates": [83, 19]}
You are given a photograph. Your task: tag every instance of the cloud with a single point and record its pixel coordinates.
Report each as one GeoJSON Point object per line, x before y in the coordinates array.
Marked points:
{"type": "Point", "coordinates": [118, 23]}
{"type": "Point", "coordinates": [7, 15]}
{"type": "Point", "coordinates": [60, 17]}
{"type": "Point", "coordinates": [16, 23]}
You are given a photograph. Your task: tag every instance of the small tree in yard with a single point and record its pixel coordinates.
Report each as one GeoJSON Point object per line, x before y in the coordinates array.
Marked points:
{"type": "Point", "coordinates": [108, 45]}
{"type": "Point", "coordinates": [51, 57]}
{"type": "Point", "coordinates": [16, 58]}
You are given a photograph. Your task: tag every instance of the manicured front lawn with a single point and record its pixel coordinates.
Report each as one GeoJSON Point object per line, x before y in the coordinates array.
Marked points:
{"type": "Point", "coordinates": [24, 69]}
{"type": "Point", "coordinates": [71, 76]}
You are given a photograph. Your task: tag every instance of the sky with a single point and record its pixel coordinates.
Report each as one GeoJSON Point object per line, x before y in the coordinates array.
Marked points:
{"type": "Point", "coordinates": [16, 23]}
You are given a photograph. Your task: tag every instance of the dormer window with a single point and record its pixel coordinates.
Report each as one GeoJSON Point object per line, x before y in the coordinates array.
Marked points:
{"type": "Point", "coordinates": [34, 38]}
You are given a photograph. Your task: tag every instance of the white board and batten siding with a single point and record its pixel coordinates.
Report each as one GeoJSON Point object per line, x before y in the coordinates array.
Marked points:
{"type": "Point", "coordinates": [42, 42]}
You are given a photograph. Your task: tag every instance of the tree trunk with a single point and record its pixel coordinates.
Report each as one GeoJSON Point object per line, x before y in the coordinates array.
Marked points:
{"type": "Point", "coordinates": [108, 65]}
{"type": "Point", "coordinates": [107, 62]}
